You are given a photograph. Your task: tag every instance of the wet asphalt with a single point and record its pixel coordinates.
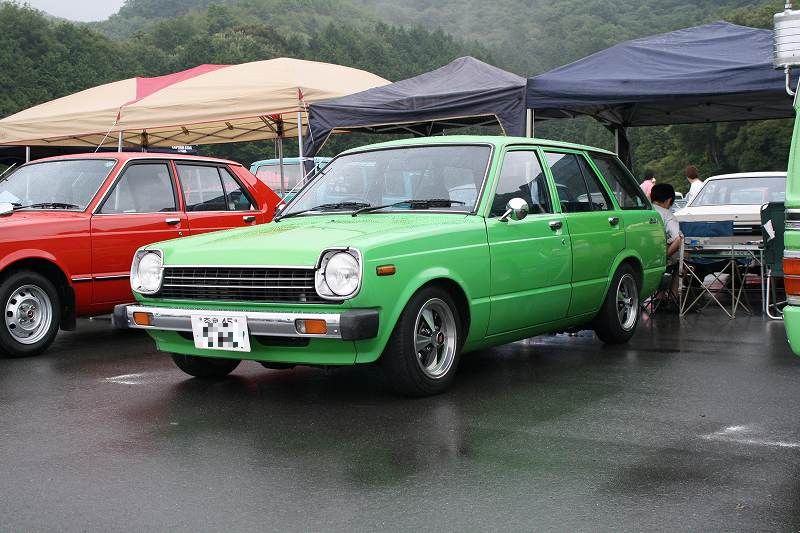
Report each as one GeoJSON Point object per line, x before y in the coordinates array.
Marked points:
{"type": "Point", "coordinates": [695, 425]}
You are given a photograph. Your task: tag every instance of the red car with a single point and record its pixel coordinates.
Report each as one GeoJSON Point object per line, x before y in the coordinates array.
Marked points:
{"type": "Point", "coordinates": [69, 227]}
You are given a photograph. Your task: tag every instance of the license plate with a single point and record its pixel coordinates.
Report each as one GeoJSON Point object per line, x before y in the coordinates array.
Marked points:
{"type": "Point", "coordinates": [221, 332]}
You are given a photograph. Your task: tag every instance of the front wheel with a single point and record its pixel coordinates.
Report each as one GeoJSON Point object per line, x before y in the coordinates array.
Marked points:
{"type": "Point", "coordinates": [422, 354]}
{"type": "Point", "coordinates": [205, 367]}
{"type": "Point", "coordinates": [619, 315]}
{"type": "Point", "coordinates": [31, 314]}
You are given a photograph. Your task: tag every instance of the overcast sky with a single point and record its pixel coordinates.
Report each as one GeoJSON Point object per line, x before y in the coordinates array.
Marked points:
{"type": "Point", "coordinates": [78, 9]}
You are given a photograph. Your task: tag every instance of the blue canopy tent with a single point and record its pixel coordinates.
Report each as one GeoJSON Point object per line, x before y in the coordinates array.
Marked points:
{"type": "Point", "coordinates": [717, 72]}
{"type": "Point", "coordinates": [462, 93]}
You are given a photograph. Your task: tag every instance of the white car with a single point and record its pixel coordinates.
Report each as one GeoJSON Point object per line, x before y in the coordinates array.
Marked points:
{"type": "Point", "coordinates": [736, 197]}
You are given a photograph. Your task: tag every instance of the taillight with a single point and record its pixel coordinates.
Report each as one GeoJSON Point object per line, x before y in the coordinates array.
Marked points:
{"type": "Point", "coordinates": [791, 273]}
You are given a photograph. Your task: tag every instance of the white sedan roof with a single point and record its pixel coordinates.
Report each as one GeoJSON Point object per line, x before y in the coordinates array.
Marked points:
{"type": "Point", "coordinates": [776, 174]}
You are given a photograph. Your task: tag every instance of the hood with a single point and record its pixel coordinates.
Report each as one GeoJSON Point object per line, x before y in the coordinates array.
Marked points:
{"type": "Point", "coordinates": [299, 241]}
{"type": "Point", "coordinates": [738, 213]}
{"type": "Point", "coordinates": [35, 224]}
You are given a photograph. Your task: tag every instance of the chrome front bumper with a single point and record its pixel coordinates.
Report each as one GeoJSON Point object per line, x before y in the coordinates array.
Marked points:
{"type": "Point", "coordinates": [347, 325]}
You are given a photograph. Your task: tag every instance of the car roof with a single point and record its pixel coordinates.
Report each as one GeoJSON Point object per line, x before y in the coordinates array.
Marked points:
{"type": "Point", "coordinates": [129, 156]}
{"type": "Point", "coordinates": [495, 140]}
{"type": "Point", "coordinates": [288, 161]}
{"type": "Point", "coordinates": [776, 174]}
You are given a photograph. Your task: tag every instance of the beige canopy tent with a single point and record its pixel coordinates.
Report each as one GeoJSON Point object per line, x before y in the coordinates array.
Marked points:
{"type": "Point", "coordinates": [207, 104]}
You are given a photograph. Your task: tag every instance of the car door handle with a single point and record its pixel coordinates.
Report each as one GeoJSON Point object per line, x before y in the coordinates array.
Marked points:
{"type": "Point", "coordinates": [172, 221]}
{"type": "Point", "coordinates": [556, 225]}
{"type": "Point", "coordinates": [613, 220]}
{"type": "Point", "coordinates": [249, 218]}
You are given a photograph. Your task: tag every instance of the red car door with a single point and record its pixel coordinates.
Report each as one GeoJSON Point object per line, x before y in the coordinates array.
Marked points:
{"type": "Point", "coordinates": [215, 198]}
{"type": "Point", "coordinates": [141, 207]}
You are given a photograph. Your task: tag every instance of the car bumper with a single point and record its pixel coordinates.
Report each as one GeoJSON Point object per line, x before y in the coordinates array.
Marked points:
{"type": "Point", "coordinates": [350, 325]}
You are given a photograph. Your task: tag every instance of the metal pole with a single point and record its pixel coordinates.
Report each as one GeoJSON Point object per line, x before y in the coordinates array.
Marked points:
{"type": "Point", "coordinates": [280, 163]}
{"type": "Point", "coordinates": [529, 123]}
{"type": "Point", "coordinates": [300, 136]}
{"type": "Point", "coordinates": [119, 142]}
{"type": "Point", "coordinates": [27, 154]}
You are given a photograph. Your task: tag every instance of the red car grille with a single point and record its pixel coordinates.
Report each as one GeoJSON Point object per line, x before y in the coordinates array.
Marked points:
{"type": "Point", "coordinates": [240, 284]}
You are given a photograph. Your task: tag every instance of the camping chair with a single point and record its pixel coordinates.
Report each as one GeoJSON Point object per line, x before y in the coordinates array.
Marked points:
{"type": "Point", "coordinates": [773, 216]}
{"type": "Point", "coordinates": [664, 294]}
{"type": "Point", "coordinates": [695, 266]}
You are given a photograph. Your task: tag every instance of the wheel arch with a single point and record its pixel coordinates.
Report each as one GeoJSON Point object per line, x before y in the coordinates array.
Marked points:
{"type": "Point", "coordinates": [51, 270]}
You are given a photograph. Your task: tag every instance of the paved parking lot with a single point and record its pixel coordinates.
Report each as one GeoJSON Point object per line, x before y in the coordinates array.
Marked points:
{"type": "Point", "coordinates": [691, 426]}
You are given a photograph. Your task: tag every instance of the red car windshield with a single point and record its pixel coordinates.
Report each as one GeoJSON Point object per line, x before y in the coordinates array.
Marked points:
{"type": "Point", "coordinates": [68, 181]}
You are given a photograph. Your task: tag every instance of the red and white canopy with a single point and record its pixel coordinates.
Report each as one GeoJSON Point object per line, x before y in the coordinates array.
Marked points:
{"type": "Point", "coordinates": [207, 104]}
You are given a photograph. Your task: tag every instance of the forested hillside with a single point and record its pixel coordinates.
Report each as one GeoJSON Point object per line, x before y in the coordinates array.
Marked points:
{"type": "Point", "coordinates": [44, 59]}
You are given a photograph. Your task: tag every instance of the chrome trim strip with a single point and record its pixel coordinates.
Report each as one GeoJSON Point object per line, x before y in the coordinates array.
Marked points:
{"type": "Point", "coordinates": [793, 300]}
{"type": "Point", "coordinates": [791, 254]}
{"type": "Point", "coordinates": [303, 267]}
{"type": "Point", "coordinates": [77, 279]}
{"type": "Point", "coordinates": [117, 276]}
{"type": "Point", "coordinates": [792, 224]}
{"type": "Point", "coordinates": [258, 323]}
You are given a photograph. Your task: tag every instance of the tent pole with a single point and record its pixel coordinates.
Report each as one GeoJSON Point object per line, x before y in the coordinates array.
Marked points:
{"type": "Point", "coordinates": [622, 145]}
{"type": "Point", "coordinates": [529, 123]}
{"type": "Point", "coordinates": [27, 154]}
{"type": "Point", "coordinates": [119, 142]}
{"type": "Point", "coordinates": [300, 137]}
{"type": "Point", "coordinates": [280, 164]}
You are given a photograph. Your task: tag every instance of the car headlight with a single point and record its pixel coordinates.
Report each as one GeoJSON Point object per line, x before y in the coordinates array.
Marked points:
{"type": "Point", "coordinates": [147, 271]}
{"type": "Point", "coordinates": [338, 274]}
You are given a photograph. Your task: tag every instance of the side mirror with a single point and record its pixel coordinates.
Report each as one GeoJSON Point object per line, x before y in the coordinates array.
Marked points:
{"type": "Point", "coordinates": [516, 209]}
{"type": "Point", "coordinates": [6, 208]}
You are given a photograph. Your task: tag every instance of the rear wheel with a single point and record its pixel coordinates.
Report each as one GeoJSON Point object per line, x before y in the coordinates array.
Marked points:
{"type": "Point", "coordinates": [619, 315]}
{"type": "Point", "coordinates": [205, 367]}
{"type": "Point", "coordinates": [422, 354]}
{"type": "Point", "coordinates": [31, 314]}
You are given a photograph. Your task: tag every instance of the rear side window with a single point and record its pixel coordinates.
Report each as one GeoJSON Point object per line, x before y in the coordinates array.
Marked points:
{"type": "Point", "coordinates": [578, 188]}
{"type": "Point", "coordinates": [622, 183]}
{"type": "Point", "coordinates": [522, 177]}
{"type": "Point", "coordinates": [143, 188]}
{"type": "Point", "coordinates": [210, 188]}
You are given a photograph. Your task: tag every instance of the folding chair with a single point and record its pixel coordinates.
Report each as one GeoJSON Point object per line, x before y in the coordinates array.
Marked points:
{"type": "Point", "coordinates": [694, 268]}
{"type": "Point", "coordinates": [664, 295]}
{"type": "Point", "coordinates": [773, 216]}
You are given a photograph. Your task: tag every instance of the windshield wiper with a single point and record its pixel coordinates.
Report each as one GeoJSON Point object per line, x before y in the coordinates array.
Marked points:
{"type": "Point", "coordinates": [46, 205]}
{"type": "Point", "coordinates": [412, 204]}
{"type": "Point", "coordinates": [322, 207]}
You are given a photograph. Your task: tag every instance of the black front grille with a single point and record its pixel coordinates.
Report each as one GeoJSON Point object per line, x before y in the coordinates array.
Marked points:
{"type": "Point", "coordinates": [240, 284]}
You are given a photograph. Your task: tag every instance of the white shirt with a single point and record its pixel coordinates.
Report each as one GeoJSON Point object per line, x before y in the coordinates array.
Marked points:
{"type": "Point", "coordinates": [672, 228]}
{"type": "Point", "coordinates": [694, 188]}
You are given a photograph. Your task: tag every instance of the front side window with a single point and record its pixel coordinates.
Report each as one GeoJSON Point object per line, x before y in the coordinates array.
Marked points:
{"type": "Point", "coordinates": [623, 184]}
{"type": "Point", "coordinates": [68, 183]}
{"type": "Point", "coordinates": [143, 188]}
{"type": "Point", "coordinates": [521, 177]}
{"type": "Point", "coordinates": [578, 187]}
{"type": "Point", "coordinates": [394, 175]}
{"type": "Point", "coordinates": [235, 195]}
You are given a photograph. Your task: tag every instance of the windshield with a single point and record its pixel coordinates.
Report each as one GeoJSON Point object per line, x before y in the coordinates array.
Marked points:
{"type": "Point", "coordinates": [68, 181]}
{"type": "Point", "coordinates": [742, 191]}
{"type": "Point", "coordinates": [392, 175]}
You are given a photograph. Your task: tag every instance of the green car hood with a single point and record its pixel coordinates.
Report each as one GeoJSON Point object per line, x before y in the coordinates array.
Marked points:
{"type": "Point", "coordinates": [299, 241]}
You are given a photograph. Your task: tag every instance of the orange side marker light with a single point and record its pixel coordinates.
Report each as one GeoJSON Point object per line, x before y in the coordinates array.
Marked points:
{"type": "Point", "coordinates": [311, 326]}
{"type": "Point", "coordinates": [140, 318]}
{"type": "Point", "coordinates": [386, 270]}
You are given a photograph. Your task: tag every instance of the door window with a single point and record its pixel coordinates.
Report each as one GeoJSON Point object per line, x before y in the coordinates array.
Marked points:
{"type": "Point", "coordinates": [578, 187]}
{"type": "Point", "coordinates": [237, 198]}
{"type": "Point", "coordinates": [202, 188]}
{"type": "Point", "coordinates": [522, 177]}
{"type": "Point", "coordinates": [622, 183]}
{"type": "Point", "coordinates": [143, 188]}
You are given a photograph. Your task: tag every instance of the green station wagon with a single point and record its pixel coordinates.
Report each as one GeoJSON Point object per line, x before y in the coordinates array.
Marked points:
{"type": "Point", "coordinates": [409, 254]}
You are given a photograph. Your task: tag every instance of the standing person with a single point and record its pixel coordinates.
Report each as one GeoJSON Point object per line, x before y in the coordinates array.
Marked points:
{"type": "Point", "coordinates": [649, 181]}
{"type": "Point", "coordinates": [695, 183]}
{"type": "Point", "coordinates": [663, 196]}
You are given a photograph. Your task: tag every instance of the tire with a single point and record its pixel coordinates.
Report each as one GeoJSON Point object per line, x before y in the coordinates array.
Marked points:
{"type": "Point", "coordinates": [619, 315]}
{"type": "Point", "coordinates": [31, 309]}
{"type": "Point", "coordinates": [205, 367]}
{"type": "Point", "coordinates": [416, 370]}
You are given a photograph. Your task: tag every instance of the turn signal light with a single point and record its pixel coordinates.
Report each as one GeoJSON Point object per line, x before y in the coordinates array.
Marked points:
{"type": "Point", "coordinates": [791, 271]}
{"type": "Point", "coordinates": [386, 270]}
{"type": "Point", "coordinates": [141, 318]}
{"type": "Point", "coordinates": [311, 326]}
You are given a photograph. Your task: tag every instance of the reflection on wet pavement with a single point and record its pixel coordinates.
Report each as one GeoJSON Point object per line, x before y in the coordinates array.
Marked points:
{"type": "Point", "coordinates": [693, 425]}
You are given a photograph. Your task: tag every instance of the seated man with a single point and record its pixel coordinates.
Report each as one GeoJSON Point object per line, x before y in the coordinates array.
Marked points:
{"type": "Point", "coordinates": [663, 196]}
